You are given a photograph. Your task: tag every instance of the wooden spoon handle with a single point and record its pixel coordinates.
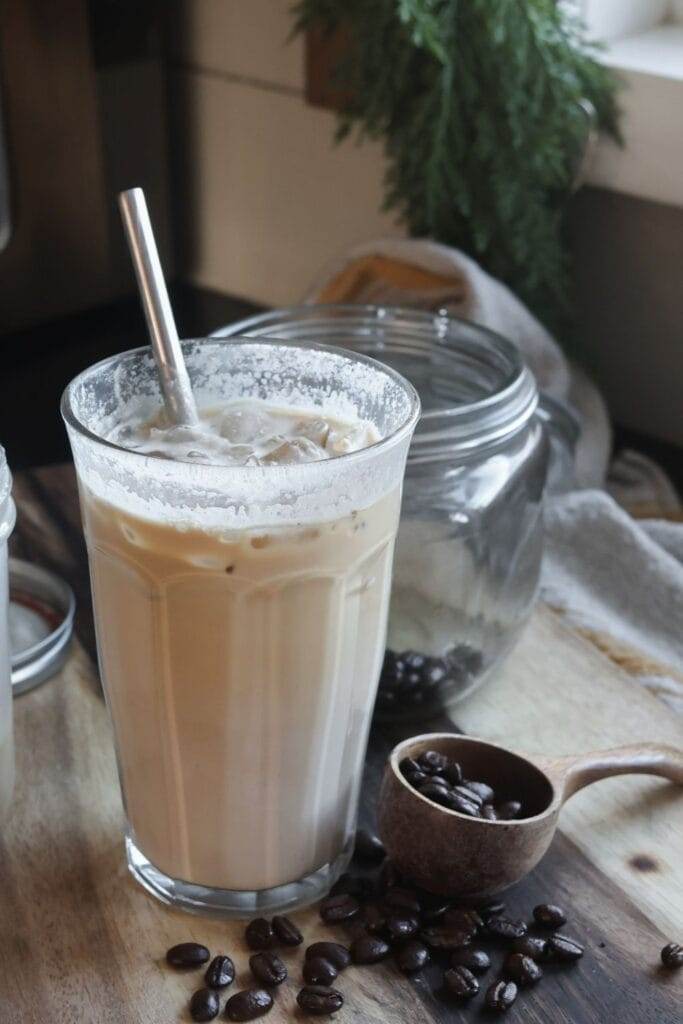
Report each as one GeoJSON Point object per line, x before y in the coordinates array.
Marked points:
{"type": "Point", "coordinates": [573, 773]}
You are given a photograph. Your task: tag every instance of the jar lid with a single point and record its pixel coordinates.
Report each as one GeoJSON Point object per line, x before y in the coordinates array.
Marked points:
{"type": "Point", "coordinates": [41, 615]}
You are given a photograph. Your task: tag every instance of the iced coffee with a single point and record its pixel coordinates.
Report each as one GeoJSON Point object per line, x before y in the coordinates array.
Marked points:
{"type": "Point", "coordinates": [241, 575]}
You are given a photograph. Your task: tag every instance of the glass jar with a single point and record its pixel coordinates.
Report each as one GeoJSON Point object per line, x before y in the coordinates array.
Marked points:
{"type": "Point", "coordinates": [470, 540]}
{"type": "Point", "coordinates": [7, 516]}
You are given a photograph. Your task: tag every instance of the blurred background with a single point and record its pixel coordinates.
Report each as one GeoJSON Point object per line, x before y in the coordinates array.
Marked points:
{"type": "Point", "coordinates": [227, 120]}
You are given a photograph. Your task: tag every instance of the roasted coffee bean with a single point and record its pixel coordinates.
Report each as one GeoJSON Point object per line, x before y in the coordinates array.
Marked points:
{"type": "Point", "coordinates": [286, 931]}
{"type": "Point", "coordinates": [508, 810]}
{"type": "Point", "coordinates": [374, 919]}
{"type": "Point", "coordinates": [529, 945]}
{"type": "Point", "coordinates": [549, 916]}
{"type": "Point", "coordinates": [483, 791]}
{"type": "Point", "coordinates": [437, 794]}
{"type": "Point", "coordinates": [248, 1004]}
{"type": "Point", "coordinates": [469, 795]}
{"type": "Point", "coordinates": [504, 928]}
{"type": "Point", "coordinates": [461, 983]}
{"type": "Point", "coordinates": [412, 956]}
{"type": "Point", "coordinates": [319, 971]}
{"type": "Point", "coordinates": [434, 911]}
{"type": "Point", "coordinates": [464, 919]}
{"type": "Point", "coordinates": [336, 909]}
{"type": "Point", "coordinates": [452, 773]}
{"type": "Point", "coordinates": [459, 803]}
{"type": "Point", "coordinates": [561, 947]}
{"type": "Point", "coordinates": [489, 812]}
{"type": "Point", "coordinates": [268, 968]}
{"type": "Point", "coordinates": [407, 766]}
{"type": "Point", "coordinates": [402, 899]}
{"type": "Point", "coordinates": [220, 973]}
{"type": "Point", "coordinates": [369, 949]}
{"type": "Point", "coordinates": [401, 927]}
{"type": "Point", "coordinates": [204, 1005]}
{"type": "Point", "coordinates": [418, 778]}
{"type": "Point", "coordinates": [475, 960]}
{"type": "Point", "coordinates": [319, 1001]}
{"type": "Point", "coordinates": [494, 908]}
{"type": "Point", "coordinates": [672, 955]}
{"type": "Point", "coordinates": [259, 934]}
{"type": "Point", "coordinates": [522, 969]}
{"type": "Point", "coordinates": [368, 847]}
{"type": "Point", "coordinates": [337, 954]}
{"type": "Point", "coordinates": [445, 939]}
{"type": "Point", "coordinates": [432, 762]}
{"type": "Point", "coordinates": [501, 995]}
{"type": "Point", "coordinates": [187, 954]}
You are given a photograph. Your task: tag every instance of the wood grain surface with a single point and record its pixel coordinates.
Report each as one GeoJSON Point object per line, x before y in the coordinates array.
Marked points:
{"type": "Point", "coordinates": [81, 942]}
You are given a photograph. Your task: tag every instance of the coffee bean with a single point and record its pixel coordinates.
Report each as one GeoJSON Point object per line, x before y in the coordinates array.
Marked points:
{"type": "Point", "coordinates": [434, 911]}
{"type": "Point", "coordinates": [475, 960]}
{"type": "Point", "coordinates": [368, 847]}
{"type": "Point", "coordinates": [248, 1004]}
{"type": "Point", "coordinates": [337, 954]}
{"type": "Point", "coordinates": [459, 803]}
{"type": "Point", "coordinates": [489, 812]}
{"type": "Point", "coordinates": [452, 773]}
{"type": "Point", "coordinates": [672, 955]}
{"type": "Point", "coordinates": [220, 973]}
{"type": "Point", "coordinates": [464, 919]}
{"type": "Point", "coordinates": [432, 762]}
{"type": "Point", "coordinates": [483, 791]}
{"type": "Point", "coordinates": [374, 919]}
{"type": "Point", "coordinates": [319, 1001]}
{"type": "Point", "coordinates": [508, 810]}
{"type": "Point", "coordinates": [469, 795]}
{"type": "Point", "coordinates": [259, 934]}
{"type": "Point", "coordinates": [268, 968]}
{"type": "Point", "coordinates": [204, 1005]}
{"type": "Point", "coordinates": [437, 794]}
{"type": "Point", "coordinates": [561, 947]}
{"type": "Point", "coordinates": [504, 928]}
{"type": "Point", "coordinates": [407, 766]}
{"type": "Point", "coordinates": [336, 909]}
{"type": "Point", "coordinates": [286, 931]}
{"type": "Point", "coordinates": [549, 916]}
{"type": "Point", "coordinates": [187, 954]}
{"type": "Point", "coordinates": [461, 983]}
{"type": "Point", "coordinates": [522, 969]}
{"type": "Point", "coordinates": [417, 778]}
{"type": "Point", "coordinates": [494, 908]}
{"type": "Point", "coordinates": [412, 956]}
{"type": "Point", "coordinates": [402, 899]}
{"type": "Point", "coordinates": [446, 939]}
{"type": "Point", "coordinates": [399, 927]}
{"type": "Point", "coordinates": [501, 995]}
{"type": "Point", "coordinates": [529, 945]}
{"type": "Point", "coordinates": [369, 949]}
{"type": "Point", "coordinates": [318, 971]}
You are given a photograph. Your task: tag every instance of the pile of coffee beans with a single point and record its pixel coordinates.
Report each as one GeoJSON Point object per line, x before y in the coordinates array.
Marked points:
{"type": "Point", "coordinates": [385, 918]}
{"type": "Point", "coordinates": [411, 681]}
{"type": "Point", "coordinates": [440, 779]}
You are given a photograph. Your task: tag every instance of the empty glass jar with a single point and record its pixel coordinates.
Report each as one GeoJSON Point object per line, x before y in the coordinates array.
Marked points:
{"type": "Point", "coordinates": [470, 540]}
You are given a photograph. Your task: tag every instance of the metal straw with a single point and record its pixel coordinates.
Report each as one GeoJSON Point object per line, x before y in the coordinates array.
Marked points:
{"type": "Point", "coordinates": [175, 383]}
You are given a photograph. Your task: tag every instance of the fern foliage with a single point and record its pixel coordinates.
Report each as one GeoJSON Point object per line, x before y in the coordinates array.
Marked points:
{"type": "Point", "coordinates": [484, 107]}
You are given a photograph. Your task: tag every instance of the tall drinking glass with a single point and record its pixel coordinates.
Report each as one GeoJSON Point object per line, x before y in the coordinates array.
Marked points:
{"type": "Point", "coordinates": [241, 615]}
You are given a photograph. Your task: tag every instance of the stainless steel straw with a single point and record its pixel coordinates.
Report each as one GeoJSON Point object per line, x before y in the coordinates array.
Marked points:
{"type": "Point", "coordinates": [175, 383]}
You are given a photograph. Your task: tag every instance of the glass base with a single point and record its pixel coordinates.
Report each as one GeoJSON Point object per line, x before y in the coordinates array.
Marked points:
{"type": "Point", "coordinates": [199, 899]}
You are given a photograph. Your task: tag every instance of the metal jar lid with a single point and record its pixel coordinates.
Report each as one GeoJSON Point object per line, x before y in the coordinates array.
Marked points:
{"type": "Point", "coordinates": [41, 615]}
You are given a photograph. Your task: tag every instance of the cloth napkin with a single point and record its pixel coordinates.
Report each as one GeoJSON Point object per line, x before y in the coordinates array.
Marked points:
{"type": "Point", "coordinates": [617, 578]}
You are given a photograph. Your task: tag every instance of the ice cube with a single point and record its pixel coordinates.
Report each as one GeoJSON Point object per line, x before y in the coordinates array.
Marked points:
{"type": "Point", "coordinates": [350, 439]}
{"type": "Point", "coordinates": [244, 425]}
{"type": "Point", "coordinates": [316, 430]}
{"type": "Point", "coordinates": [294, 450]}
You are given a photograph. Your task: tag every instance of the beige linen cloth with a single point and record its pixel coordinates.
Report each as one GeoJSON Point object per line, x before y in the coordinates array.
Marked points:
{"type": "Point", "coordinates": [617, 578]}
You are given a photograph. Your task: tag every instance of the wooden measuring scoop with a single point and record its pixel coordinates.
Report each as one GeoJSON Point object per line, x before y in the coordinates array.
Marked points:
{"type": "Point", "coordinates": [453, 854]}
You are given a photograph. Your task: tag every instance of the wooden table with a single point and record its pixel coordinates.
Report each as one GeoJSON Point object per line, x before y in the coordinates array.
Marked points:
{"type": "Point", "coordinates": [81, 942]}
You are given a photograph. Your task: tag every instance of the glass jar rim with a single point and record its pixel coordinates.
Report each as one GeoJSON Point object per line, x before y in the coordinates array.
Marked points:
{"type": "Point", "coordinates": [439, 432]}
{"type": "Point", "coordinates": [394, 437]}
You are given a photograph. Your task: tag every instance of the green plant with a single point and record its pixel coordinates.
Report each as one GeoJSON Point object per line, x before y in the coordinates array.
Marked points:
{"type": "Point", "coordinates": [481, 105]}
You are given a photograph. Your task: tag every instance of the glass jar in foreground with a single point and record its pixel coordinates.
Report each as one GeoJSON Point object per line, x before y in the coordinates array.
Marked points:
{"type": "Point", "coordinates": [469, 547]}
{"type": "Point", "coordinates": [240, 613]}
{"type": "Point", "coordinates": [7, 516]}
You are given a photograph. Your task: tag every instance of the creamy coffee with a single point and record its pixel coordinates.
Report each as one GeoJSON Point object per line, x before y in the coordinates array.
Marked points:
{"type": "Point", "coordinates": [241, 664]}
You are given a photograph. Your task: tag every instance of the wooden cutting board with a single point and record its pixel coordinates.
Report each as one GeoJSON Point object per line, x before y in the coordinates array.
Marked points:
{"type": "Point", "coordinates": [80, 942]}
